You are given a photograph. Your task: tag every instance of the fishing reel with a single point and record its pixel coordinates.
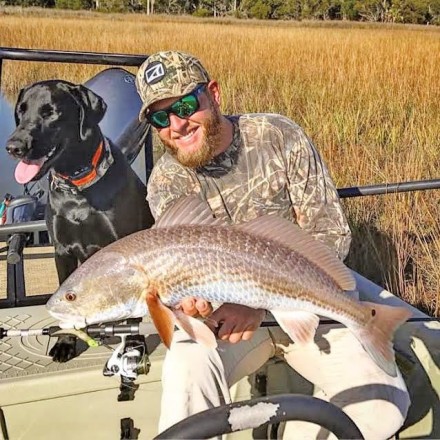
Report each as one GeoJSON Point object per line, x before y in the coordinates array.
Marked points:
{"type": "Point", "coordinates": [129, 359]}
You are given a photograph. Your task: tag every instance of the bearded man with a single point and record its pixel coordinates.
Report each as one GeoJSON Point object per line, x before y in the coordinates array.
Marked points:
{"type": "Point", "coordinates": [245, 166]}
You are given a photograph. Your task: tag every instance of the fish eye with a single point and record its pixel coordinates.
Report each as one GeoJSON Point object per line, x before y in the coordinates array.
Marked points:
{"type": "Point", "coordinates": [70, 296]}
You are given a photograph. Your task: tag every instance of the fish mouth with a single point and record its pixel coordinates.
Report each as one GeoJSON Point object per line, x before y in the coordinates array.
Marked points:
{"type": "Point", "coordinates": [72, 325]}
{"type": "Point", "coordinates": [69, 323]}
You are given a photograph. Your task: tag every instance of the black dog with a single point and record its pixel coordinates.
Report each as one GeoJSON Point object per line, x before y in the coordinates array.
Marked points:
{"type": "Point", "coordinates": [95, 197]}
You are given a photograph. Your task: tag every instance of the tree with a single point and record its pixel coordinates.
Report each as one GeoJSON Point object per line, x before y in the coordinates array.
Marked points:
{"type": "Point", "coordinates": [374, 10]}
{"type": "Point", "coordinates": [348, 10]}
{"type": "Point", "coordinates": [73, 4]}
{"type": "Point", "coordinates": [288, 10]}
{"type": "Point", "coordinates": [415, 11]}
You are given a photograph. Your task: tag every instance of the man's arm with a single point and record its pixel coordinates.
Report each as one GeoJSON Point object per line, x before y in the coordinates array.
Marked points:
{"type": "Point", "coordinates": [313, 194]}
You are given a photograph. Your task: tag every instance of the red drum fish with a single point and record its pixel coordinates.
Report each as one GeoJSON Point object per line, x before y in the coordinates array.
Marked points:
{"type": "Point", "coordinates": [268, 263]}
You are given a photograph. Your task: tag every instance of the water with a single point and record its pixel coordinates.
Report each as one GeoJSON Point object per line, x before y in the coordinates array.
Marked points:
{"type": "Point", "coordinates": [7, 164]}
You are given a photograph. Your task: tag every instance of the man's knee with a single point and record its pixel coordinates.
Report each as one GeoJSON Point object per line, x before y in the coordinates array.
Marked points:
{"type": "Point", "coordinates": [187, 358]}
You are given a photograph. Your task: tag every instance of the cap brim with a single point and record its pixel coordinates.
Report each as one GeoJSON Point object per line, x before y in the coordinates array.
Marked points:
{"type": "Point", "coordinates": [142, 116]}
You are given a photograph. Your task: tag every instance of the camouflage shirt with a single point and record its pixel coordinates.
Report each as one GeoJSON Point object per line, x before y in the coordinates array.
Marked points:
{"type": "Point", "coordinates": [270, 167]}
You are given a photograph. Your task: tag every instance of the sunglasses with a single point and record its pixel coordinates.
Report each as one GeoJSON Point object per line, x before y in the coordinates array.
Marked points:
{"type": "Point", "coordinates": [183, 108]}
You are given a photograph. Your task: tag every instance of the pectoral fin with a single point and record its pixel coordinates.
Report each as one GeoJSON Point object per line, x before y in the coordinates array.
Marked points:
{"type": "Point", "coordinates": [195, 329]}
{"type": "Point", "coordinates": [162, 316]}
{"type": "Point", "coordinates": [299, 325]}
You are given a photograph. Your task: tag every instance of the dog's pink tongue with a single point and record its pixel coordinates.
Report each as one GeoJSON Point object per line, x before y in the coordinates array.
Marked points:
{"type": "Point", "coordinates": [25, 172]}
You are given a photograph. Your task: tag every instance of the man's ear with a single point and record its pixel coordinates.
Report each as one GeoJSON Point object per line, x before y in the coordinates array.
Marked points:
{"type": "Point", "coordinates": [213, 89]}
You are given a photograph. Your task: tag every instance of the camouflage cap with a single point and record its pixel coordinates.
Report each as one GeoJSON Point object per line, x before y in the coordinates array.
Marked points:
{"type": "Point", "coordinates": [168, 74]}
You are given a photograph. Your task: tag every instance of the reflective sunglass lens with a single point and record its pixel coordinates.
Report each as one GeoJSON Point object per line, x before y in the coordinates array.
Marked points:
{"type": "Point", "coordinates": [183, 108]}
{"type": "Point", "coordinates": [186, 106]}
{"type": "Point", "coordinates": [160, 119]}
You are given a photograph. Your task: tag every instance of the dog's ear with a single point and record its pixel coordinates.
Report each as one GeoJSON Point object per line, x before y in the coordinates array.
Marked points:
{"type": "Point", "coordinates": [92, 108]}
{"type": "Point", "coordinates": [17, 105]}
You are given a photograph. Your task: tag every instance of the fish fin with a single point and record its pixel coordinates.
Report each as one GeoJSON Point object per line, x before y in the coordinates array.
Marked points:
{"type": "Point", "coordinates": [299, 325]}
{"type": "Point", "coordinates": [376, 337]}
{"type": "Point", "coordinates": [291, 235]}
{"type": "Point", "coordinates": [352, 294]}
{"type": "Point", "coordinates": [162, 316]}
{"type": "Point", "coordinates": [195, 329]}
{"type": "Point", "coordinates": [188, 210]}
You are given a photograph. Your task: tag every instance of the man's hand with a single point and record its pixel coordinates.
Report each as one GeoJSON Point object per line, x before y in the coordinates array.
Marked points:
{"type": "Point", "coordinates": [196, 307]}
{"type": "Point", "coordinates": [234, 322]}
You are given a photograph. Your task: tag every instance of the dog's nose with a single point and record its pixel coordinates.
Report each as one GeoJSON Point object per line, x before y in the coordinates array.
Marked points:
{"type": "Point", "coordinates": [16, 150]}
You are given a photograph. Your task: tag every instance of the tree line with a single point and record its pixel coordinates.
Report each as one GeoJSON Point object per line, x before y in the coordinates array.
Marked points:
{"type": "Point", "coordinates": [385, 11]}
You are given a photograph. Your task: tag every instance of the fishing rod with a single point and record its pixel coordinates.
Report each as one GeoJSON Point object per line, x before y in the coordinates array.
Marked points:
{"type": "Point", "coordinates": [388, 188]}
{"type": "Point", "coordinates": [130, 357]}
{"type": "Point", "coordinates": [95, 331]}
{"type": "Point", "coordinates": [141, 328]}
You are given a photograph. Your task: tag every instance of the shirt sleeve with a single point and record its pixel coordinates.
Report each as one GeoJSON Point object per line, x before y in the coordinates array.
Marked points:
{"type": "Point", "coordinates": [168, 182]}
{"type": "Point", "coordinates": [313, 194]}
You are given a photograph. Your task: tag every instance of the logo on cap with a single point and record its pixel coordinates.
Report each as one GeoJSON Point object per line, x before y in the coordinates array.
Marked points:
{"type": "Point", "coordinates": [154, 72]}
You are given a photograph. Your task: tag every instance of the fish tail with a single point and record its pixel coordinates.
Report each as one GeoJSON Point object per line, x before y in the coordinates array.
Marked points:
{"type": "Point", "coordinates": [376, 337]}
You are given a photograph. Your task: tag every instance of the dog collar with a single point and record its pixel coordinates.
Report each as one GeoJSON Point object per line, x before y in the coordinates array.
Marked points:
{"type": "Point", "coordinates": [87, 176]}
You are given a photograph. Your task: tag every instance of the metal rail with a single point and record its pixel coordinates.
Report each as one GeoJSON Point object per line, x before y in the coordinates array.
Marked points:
{"type": "Point", "coordinates": [16, 228]}
{"type": "Point", "coordinates": [64, 56]}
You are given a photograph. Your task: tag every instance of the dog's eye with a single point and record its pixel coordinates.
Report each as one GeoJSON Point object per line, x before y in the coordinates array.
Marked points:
{"type": "Point", "coordinates": [46, 111]}
{"type": "Point", "coordinates": [22, 107]}
{"type": "Point", "coordinates": [70, 296]}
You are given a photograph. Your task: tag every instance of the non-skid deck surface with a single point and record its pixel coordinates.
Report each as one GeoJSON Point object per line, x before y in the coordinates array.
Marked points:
{"type": "Point", "coordinates": [42, 399]}
{"type": "Point", "coordinates": [27, 356]}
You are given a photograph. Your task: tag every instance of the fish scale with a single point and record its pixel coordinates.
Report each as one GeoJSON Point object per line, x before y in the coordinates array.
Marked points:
{"type": "Point", "coordinates": [179, 259]}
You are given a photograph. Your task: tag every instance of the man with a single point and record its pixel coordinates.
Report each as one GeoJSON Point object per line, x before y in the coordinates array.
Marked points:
{"type": "Point", "coordinates": [245, 166]}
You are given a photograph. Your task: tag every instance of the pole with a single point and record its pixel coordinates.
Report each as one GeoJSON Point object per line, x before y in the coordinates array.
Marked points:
{"type": "Point", "coordinates": [388, 188]}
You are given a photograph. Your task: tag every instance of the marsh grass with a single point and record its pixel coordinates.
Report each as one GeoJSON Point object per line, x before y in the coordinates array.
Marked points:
{"type": "Point", "coordinates": [368, 96]}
